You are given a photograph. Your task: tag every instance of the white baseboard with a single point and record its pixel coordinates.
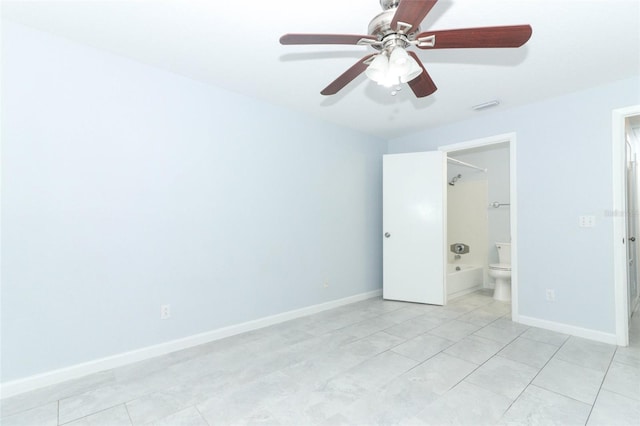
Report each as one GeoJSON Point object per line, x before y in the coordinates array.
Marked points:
{"type": "Point", "coordinates": [572, 330]}
{"type": "Point", "coordinates": [30, 383]}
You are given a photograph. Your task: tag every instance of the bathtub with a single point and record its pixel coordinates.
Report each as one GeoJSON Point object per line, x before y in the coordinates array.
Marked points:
{"type": "Point", "coordinates": [465, 280]}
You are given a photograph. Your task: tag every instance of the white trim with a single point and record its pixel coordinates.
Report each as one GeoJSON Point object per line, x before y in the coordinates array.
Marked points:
{"type": "Point", "coordinates": [30, 383]}
{"type": "Point", "coordinates": [619, 222]}
{"type": "Point", "coordinates": [509, 138]}
{"type": "Point", "coordinates": [476, 143]}
{"type": "Point", "coordinates": [572, 330]}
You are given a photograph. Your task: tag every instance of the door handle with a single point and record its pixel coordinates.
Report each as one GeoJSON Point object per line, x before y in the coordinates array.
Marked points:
{"type": "Point", "coordinates": [632, 239]}
{"type": "Point", "coordinates": [387, 235]}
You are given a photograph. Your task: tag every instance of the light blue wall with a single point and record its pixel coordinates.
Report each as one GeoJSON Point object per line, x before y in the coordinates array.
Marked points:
{"type": "Point", "coordinates": [564, 170]}
{"type": "Point", "coordinates": [125, 187]}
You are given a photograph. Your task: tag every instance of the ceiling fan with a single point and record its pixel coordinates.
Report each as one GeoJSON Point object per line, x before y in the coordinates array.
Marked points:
{"type": "Point", "coordinates": [397, 28]}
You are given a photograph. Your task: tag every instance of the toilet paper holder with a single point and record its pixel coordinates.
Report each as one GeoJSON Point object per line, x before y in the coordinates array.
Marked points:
{"type": "Point", "coordinates": [459, 248]}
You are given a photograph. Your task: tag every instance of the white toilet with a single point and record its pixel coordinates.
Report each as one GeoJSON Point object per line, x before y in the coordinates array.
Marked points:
{"type": "Point", "coordinates": [501, 272]}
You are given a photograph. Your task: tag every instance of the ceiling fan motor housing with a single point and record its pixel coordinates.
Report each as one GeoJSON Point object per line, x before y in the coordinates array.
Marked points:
{"type": "Point", "coordinates": [380, 27]}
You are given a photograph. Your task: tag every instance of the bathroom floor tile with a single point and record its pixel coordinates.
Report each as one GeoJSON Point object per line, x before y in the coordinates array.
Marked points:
{"type": "Point", "coordinates": [537, 406]}
{"type": "Point", "coordinates": [320, 368]}
{"type": "Point", "coordinates": [415, 327]}
{"type": "Point", "coordinates": [535, 354]}
{"type": "Point", "coordinates": [155, 406]}
{"type": "Point", "coordinates": [499, 334]}
{"type": "Point", "coordinates": [629, 355]}
{"type": "Point", "coordinates": [116, 416]}
{"type": "Point", "coordinates": [373, 345]}
{"type": "Point", "coordinates": [377, 371]}
{"type": "Point", "coordinates": [476, 299]}
{"type": "Point", "coordinates": [479, 317]}
{"type": "Point", "coordinates": [614, 409]}
{"type": "Point", "coordinates": [47, 415]}
{"type": "Point", "coordinates": [496, 307]}
{"type": "Point", "coordinates": [454, 330]}
{"type": "Point", "coordinates": [571, 380]}
{"type": "Point", "coordinates": [401, 315]}
{"type": "Point", "coordinates": [586, 353]}
{"type": "Point", "coordinates": [503, 376]}
{"type": "Point", "coordinates": [369, 327]}
{"type": "Point", "coordinates": [394, 404]}
{"type": "Point", "coordinates": [43, 396]}
{"type": "Point", "coordinates": [423, 347]}
{"type": "Point", "coordinates": [94, 401]}
{"type": "Point", "coordinates": [545, 336]}
{"type": "Point", "coordinates": [623, 379]}
{"type": "Point", "coordinates": [440, 373]}
{"type": "Point", "coordinates": [466, 404]}
{"type": "Point", "coordinates": [507, 324]}
{"type": "Point", "coordinates": [475, 349]}
{"type": "Point", "coordinates": [187, 417]}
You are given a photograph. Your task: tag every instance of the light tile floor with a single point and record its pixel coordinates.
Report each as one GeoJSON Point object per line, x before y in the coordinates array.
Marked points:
{"type": "Point", "coordinates": [369, 363]}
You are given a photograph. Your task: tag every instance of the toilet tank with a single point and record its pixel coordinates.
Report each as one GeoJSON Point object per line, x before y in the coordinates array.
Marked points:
{"type": "Point", "coordinates": [504, 252]}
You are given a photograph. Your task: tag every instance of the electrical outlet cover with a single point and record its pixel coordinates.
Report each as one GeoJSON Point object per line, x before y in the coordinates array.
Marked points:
{"type": "Point", "coordinates": [165, 311]}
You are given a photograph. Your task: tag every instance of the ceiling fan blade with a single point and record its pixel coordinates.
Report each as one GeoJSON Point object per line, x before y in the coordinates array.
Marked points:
{"type": "Point", "coordinates": [412, 12]}
{"type": "Point", "coordinates": [506, 36]}
{"type": "Point", "coordinates": [422, 85]}
{"type": "Point", "coordinates": [324, 38]}
{"type": "Point", "coordinates": [347, 77]}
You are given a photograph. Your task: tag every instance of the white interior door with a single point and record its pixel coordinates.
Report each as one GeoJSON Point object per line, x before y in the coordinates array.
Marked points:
{"type": "Point", "coordinates": [414, 201]}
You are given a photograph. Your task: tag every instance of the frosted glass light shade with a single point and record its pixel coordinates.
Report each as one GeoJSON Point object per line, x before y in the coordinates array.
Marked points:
{"type": "Point", "coordinates": [392, 69]}
{"type": "Point", "coordinates": [399, 58]}
{"type": "Point", "coordinates": [378, 69]}
{"type": "Point", "coordinates": [413, 71]}
{"type": "Point", "coordinates": [403, 65]}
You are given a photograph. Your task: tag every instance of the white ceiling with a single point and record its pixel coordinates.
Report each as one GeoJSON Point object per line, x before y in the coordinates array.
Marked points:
{"type": "Point", "coordinates": [234, 44]}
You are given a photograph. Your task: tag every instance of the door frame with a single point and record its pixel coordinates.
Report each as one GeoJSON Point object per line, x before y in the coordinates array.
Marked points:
{"type": "Point", "coordinates": [619, 117]}
{"type": "Point", "coordinates": [509, 138]}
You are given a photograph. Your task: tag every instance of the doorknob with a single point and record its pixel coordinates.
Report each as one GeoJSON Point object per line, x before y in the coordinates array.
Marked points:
{"type": "Point", "coordinates": [632, 239]}
{"type": "Point", "coordinates": [387, 235]}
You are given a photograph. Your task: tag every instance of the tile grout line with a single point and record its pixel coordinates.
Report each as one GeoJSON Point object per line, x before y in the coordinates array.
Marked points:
{"type": "Point", "coordinates": [470, 334]}
{"type": "Point", "coordinates": [442, 350]}
{"type": "Point", "coordinates": [604, 377]}
{"type": "Point", "coordinates": [201, 415]}
{"type": "Point", "coordinates": [421, 334]}
{"type": "Point", "coordinates": [92, 413]}
{"type": "Point", "coordinates": [533, 378]}
{"type": "Point", "coordinates": [475, 369]}
{"type": "Point", "coordinates": [128, 414]}
{"type": "Point", "coordinates": [456, 342]}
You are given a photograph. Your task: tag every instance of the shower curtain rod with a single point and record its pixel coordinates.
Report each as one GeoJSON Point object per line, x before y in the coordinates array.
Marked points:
{"type": "Point", "coordinates": [462, 163]}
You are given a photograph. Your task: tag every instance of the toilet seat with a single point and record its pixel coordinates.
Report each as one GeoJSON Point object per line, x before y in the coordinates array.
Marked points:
{"type": "Point", "coordinates": [500, 266]}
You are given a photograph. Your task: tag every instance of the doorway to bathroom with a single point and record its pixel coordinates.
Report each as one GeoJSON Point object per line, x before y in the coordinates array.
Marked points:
{"type": "Point", "coordinates": [415, 214]}
{"type": "Point", "coordinates": [481, 215]}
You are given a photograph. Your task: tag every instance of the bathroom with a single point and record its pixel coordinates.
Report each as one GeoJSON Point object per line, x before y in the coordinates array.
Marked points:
{"type": "Point", "coordinates": [478, 221]}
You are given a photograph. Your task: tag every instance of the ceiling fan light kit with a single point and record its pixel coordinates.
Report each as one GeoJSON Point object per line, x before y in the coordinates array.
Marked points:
{"type": "Point", "coordinates": [390, 69]}
{"type": "Point", "coordinates": [397, 28]}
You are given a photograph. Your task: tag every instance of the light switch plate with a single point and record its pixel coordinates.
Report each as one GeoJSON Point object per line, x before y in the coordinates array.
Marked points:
{"type": "Point", "coordinates": [587, 221]}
